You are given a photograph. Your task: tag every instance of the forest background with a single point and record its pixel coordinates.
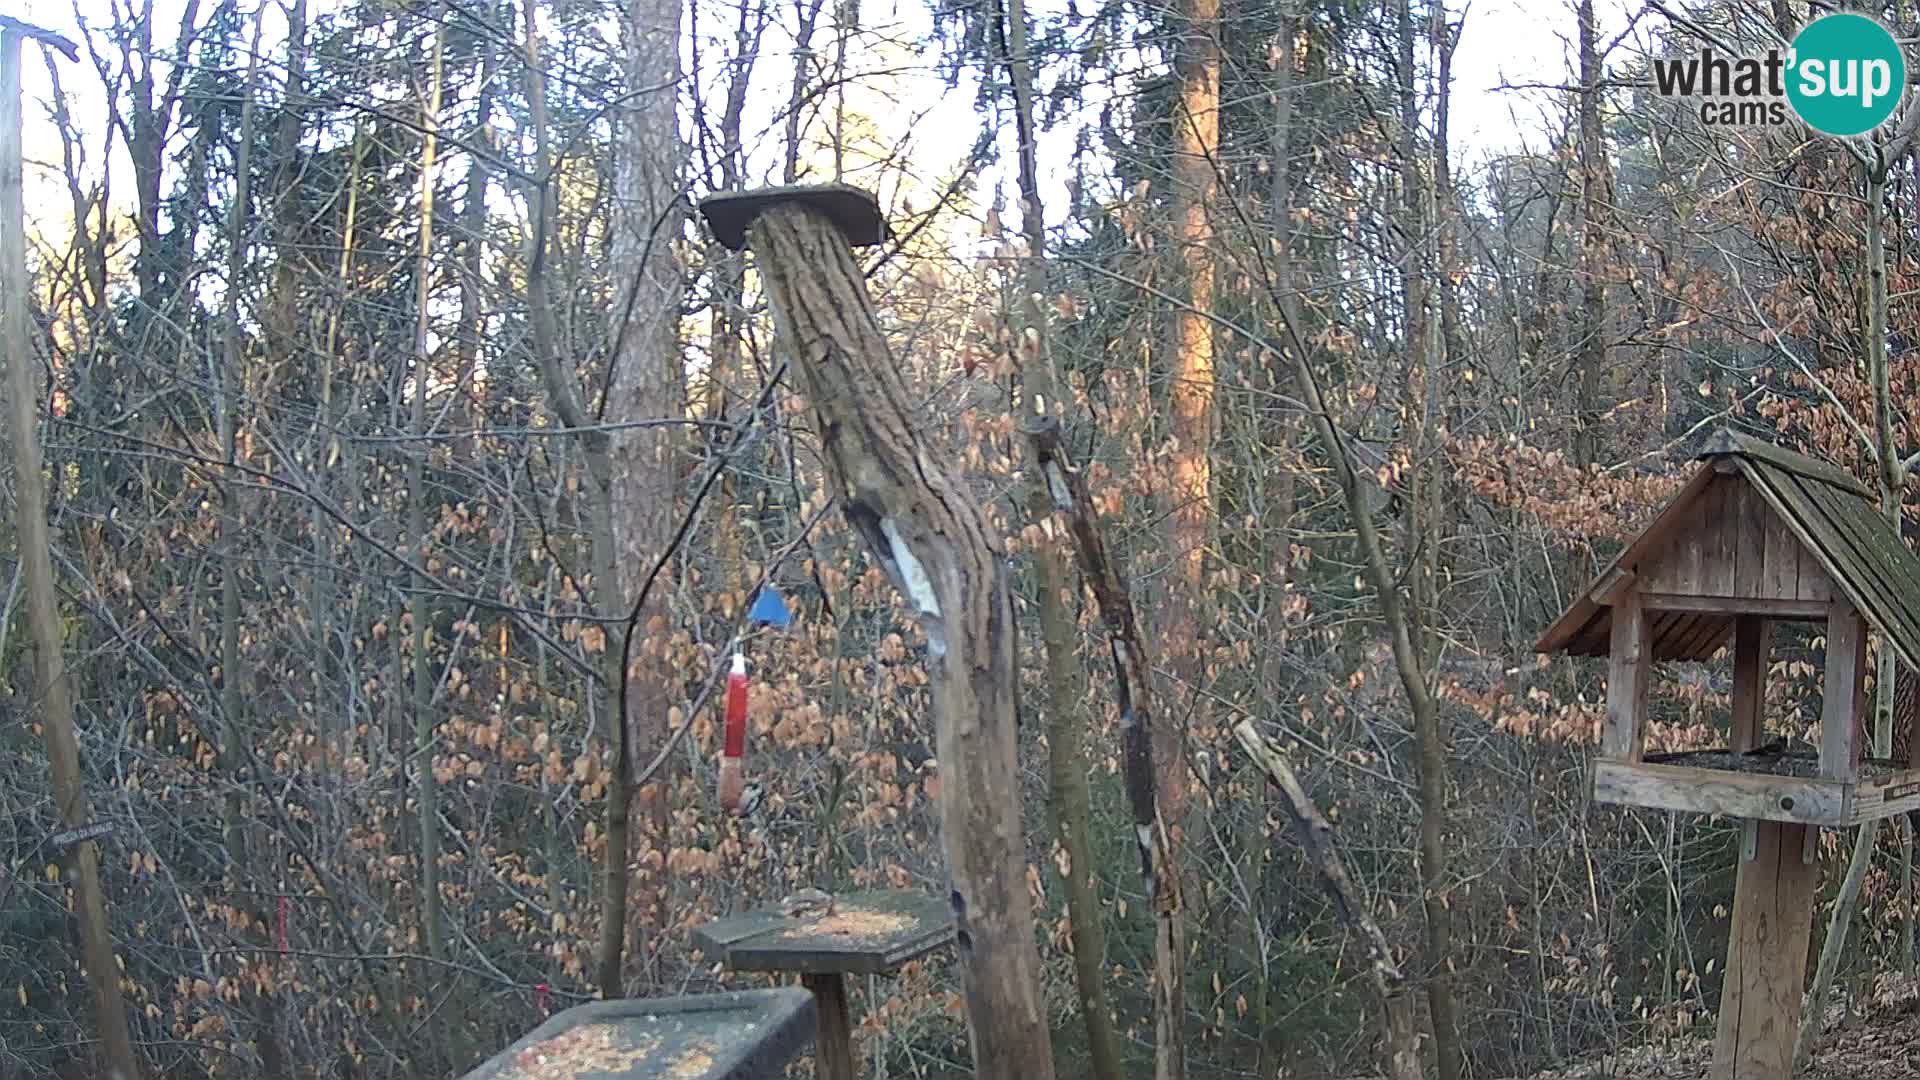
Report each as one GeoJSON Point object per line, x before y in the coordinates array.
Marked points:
{"type": "Point", "coordinates": [394, 398]}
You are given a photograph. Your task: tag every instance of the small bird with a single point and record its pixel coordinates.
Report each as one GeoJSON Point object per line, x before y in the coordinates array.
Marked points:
{"type": "Point", "coordinates": [1772, 750]}
{"type": "Point", "coordinates": [807, 904]}
{"type": "Point", "coordinates": [751, 798]}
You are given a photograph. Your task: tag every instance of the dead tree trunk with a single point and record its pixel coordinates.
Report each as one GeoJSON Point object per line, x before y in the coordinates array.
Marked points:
{"type": "Point", "coordinates": [36, 557]}
{"type": "Point", "coordinates": [930, 537]}
{"type": "Point", "coordinates": [1068, 490]}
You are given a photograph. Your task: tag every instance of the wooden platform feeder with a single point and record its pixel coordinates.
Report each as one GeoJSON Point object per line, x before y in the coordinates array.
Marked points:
{"type": "Point", "coordinates": [748, 1035]}
{"type": "Point", "coordinates": [871, 933]}
{"type": "Point", "coordinates": [1758, 535]}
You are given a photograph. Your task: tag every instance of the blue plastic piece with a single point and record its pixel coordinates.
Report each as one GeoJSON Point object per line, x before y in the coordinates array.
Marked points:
{"type": "Point", "coordinates": [769, 609]}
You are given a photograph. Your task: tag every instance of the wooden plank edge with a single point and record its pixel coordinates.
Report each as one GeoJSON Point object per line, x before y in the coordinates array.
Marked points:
{"type": "Point", "coordinates": [1794, 800]}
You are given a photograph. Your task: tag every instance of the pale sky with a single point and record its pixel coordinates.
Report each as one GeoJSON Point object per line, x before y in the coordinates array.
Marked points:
{"type": "Point", "coordinates": [1514, 42]}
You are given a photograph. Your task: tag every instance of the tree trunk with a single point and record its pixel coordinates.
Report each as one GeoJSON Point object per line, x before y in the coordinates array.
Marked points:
{"type": "Point", "coordinates": [1591, 356]}
{"type": "Point", "coordinates": [644, 384]}
{"type": "Point", "coordinates": [1196, 140]}
{"type": "Point", "coordinates": [336, 732]}
{"type": "Point", "coordinates": [1407, 620]}
{"type": "Point", "coordinates": [1189, 496]}
{"type": "Point", "coordinates": [1133, 687]}
{"type": "Point", "coordinates": [1430, 757]}
{"type": "Point", "coordinates": [930, 537]}
{"type": "Point", "coordinates": [1890, 472]}
{"type": "Point", "coordinates": [426, 785]}
{"type": "Point", "coordinates": [234, 691]}
{"type": "Point", "coordinates": [1066, 723]}
{"type": "Point", "coordinates": [43, 609]}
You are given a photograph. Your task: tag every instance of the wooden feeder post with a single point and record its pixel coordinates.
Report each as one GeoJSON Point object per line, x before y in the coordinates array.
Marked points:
{"type": "Point", "coordinates": [1758, 536]}
{"type": "Point", "coordinates": [870, 933]}
{"type": "Point", "coordinates": [926, 531]}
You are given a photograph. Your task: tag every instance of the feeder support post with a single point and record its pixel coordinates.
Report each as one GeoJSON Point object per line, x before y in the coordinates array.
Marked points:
{"type": "Point", "coordinates": [923, 527]}
{"type": "Point", "coordinates": [1628, 664]}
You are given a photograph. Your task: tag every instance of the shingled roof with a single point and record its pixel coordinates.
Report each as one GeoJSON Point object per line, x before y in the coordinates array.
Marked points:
{"type": "Point", "coordinates": [1832, 515]}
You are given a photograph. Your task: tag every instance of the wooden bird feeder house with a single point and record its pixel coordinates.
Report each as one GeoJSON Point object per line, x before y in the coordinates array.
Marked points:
{"type": "Point", "coordinates": [1758, 535]}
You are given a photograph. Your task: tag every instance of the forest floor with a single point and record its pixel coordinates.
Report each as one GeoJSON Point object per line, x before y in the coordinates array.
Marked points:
{"type": "Point", "coordinates": [1881, 1041]}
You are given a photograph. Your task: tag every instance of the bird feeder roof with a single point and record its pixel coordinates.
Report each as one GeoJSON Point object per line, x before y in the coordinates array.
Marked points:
{"type": "Point", "coordinates": [1826, 524]}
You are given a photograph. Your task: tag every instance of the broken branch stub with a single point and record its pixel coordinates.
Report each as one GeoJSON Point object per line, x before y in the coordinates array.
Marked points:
{"type": "Point", "coordinates": [1315, 833]}
{"type": "Point", "coordinates": [1068, 489]}
{"type": "Point", "coordinates": [932, 540]}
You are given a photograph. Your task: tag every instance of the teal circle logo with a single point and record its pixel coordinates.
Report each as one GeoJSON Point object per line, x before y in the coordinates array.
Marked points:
{"type": "Point", "coordinates": [1848, 75]}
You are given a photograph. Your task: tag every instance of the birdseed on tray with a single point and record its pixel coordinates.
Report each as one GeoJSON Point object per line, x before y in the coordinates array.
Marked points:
{"type": "Point", "coordinates": [587, 1048]}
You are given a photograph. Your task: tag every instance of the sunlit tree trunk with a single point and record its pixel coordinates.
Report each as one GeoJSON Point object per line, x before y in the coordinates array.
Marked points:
{"type": "Point", "coordinates": [43, 606]}
{"type": "Point", "coordinates": [1189, 495]}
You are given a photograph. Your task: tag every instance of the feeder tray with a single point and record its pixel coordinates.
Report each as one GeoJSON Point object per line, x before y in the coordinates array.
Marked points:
{"type": "Point", "coordinates": [868, 933]}
{"type": "Point", "coordinates": [748, 1035]}
{"type": "Point", "coordinates": [855, 212]}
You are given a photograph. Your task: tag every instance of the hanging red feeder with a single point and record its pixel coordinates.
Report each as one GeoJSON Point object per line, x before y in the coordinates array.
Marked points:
{"type": "Point", "coordinates": [734, 748]}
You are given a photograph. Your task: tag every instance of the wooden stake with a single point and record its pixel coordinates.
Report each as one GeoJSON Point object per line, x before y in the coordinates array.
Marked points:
{"type": "Point", "coordinates": [43, 609]}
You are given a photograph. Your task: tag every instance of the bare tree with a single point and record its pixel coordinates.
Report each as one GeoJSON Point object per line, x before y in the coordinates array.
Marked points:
{"type": "Point", "coordinates": [43, 609]}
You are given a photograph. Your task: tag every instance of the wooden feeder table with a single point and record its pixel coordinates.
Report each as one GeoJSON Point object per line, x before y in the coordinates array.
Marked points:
{"type": "Point", "coordinates": [1759, 535]}
{"type": "Point", "coordinates": [747, 1035]}
{"type": "Point", "coordinates": [871, 933]}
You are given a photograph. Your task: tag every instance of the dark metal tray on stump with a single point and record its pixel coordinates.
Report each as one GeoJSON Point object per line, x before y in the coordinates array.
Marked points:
{"type": "Point", "coordinates": [746, 1035]}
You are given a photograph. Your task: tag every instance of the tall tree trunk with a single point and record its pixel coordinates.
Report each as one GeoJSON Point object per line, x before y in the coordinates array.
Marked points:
{"type": "Point", "coordinates": [565, 399]}
{"type": "Point", "coordinates": [1196, 141]}
{"type": "Point", "coordinates": [234, 691]}
{"type": "Point", "coordinates": [1591, 356]}
{"type": "Point", "coordinates": [1411, 613]}
{"type": "Point", "coordinates": [1430, 758]}
{"type": "Point", "coordinates": [644, 385]}
{"type": "Point", "coordinates": [1066, 723]}
{"type": "Point", "coordinates": [36, 557]}
{"type": "Point", "coordinates": [1279, 435]}
{"type": "Point", "coordinates": [925, 531]}
{"type": "Point", "coordinates": [1890, 471]}
{"type": "Point", "coordinates": [426, 785]}
{"type": "Point", "coordinates": [336, 730]}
